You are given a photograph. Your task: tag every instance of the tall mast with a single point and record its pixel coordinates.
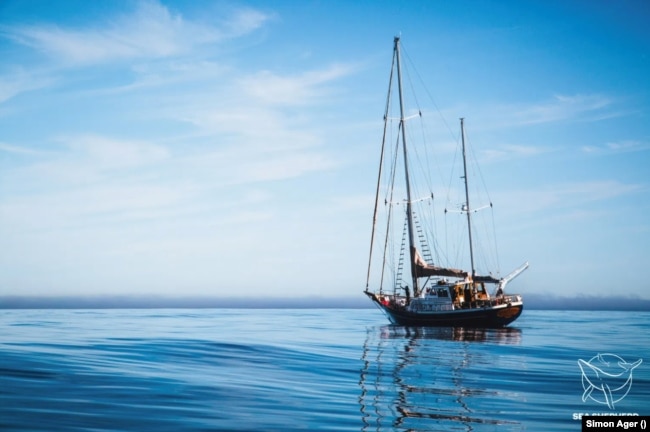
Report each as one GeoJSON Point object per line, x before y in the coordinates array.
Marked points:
{"type": "Point", "coordinates": [467, 207]}
{"type": "Point", "coordinates": [409, 212]}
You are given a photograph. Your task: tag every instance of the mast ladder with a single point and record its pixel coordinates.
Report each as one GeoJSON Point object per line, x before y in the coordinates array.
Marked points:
{"type": "Point", "coordinates": [424, 245]}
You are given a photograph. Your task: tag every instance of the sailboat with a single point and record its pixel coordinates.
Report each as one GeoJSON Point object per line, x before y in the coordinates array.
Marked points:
{"type": "Point", "coordinates": [419, 291]}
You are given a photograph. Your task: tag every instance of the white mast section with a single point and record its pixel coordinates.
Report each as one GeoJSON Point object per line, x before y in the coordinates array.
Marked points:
{"type": "Point", "coordinates": [409, 214]}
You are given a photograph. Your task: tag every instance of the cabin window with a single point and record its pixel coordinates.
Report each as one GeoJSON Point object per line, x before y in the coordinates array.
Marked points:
{"type": "Point", "coordinates": [442, 292]}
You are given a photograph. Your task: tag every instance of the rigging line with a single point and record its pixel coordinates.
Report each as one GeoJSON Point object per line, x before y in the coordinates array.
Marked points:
{"type": "Point", "coordinates": [440, 250]}
{"type": "Point", "coordinates": [444, 120]}
{"type": "Point", "coordinates": [414, 149]}
{"type": "Point", "coordinates": [457, 231]}
{"type": "Point", "coordinates": [432, 238]}
{"type": "Point", "coordinates": [446, 234]}
{"type": "Point", "coordinates": [496, 246]}
{"type": "Point", "coordinates": [429, 158]}
{"type": "Point", "coordinates": [452, 171]}
{"type": "Point", "coordinates": [381, 161]}
{"type": "Point", "coordinates": [422, 162]}
{"type": "Point", "coordinates": [415, 97]}
{"type": "Point", "coordinates": [390, 209]}
{"type": "Point", "coordinates": [394, 157]}
{"type": "Point", "coordinates": [393, 169]}
{"type": "Point", "coordinates": [460, 243]}
{"type": "Point", "coordinates": [474, 210]}
{"type": "Point", "coordinates": [484, 246]}
{"type": "Point", "coordinates": [433, 230]}
{"type": "Point", "coordinates": [408, 77]}
{"type": "Point", "coordinates": [477, 167]}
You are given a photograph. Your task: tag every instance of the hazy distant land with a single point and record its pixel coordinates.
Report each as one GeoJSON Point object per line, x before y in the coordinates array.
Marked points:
{"type": "Point", "coordinates": [532, 301]}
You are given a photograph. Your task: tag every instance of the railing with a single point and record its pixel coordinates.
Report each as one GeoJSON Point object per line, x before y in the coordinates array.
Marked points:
{"type": "Point", "coordinates": [511, 298]}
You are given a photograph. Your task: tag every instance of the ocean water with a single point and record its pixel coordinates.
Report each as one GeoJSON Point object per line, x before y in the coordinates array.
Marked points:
{"type": "Point", "coordinates": [310, 369]}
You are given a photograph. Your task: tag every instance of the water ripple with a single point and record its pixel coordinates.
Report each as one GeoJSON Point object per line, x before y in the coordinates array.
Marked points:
{"type": "Point", "coordinates": [205, 370]}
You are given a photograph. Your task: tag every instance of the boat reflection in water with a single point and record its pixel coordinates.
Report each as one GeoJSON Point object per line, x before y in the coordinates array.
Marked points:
{"type": "Point", "coordinates": [438, 378]}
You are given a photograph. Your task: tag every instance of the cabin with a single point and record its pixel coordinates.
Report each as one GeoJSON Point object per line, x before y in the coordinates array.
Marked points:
{"type": "Point", "coordinates": [446, 296]}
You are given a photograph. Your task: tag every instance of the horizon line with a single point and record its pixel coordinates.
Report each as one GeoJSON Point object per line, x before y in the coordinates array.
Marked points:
{"type": "Point", "coordinates": [534, 302]}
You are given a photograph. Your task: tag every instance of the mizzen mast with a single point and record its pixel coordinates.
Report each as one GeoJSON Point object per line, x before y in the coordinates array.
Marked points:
{"type": "Point", "coordinates": [467, 207]}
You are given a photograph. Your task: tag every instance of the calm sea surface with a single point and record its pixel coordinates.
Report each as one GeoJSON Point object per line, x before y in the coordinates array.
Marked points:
{"type": "Point", "coordinates": [322, 369]}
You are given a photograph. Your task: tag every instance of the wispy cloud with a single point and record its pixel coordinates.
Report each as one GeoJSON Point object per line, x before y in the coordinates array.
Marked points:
{"type": "Point", "coordinates": [96, 180]}
{"type": "Point", "coordinates": [148, 76]}
{"type": "Point", "coordinates": [587, 107]}
{"type": "Point", "coordinates": [270, 88]}
{"type": "Point", "coordinates": [14, 149]}
{"type": "Point", "coordinates": [82, 159]}
{"type": "Point", "coordinates": [624, 146]}
{"type": "Point", "coordinates": [258, 133]}
{"type": "Point", "coordinates": [152, 31]}
{"type": "Point", "coordinates": [157, 46]}
{"type": "Point", "coordinates": [234, 129]}
{"type": "Point", "coordinates": [572, 195]}
{"type": "Point", "coordinates": [583, 107]}
{"type": "Point", "coordinates": [244, 116]}
{"type": "Point", "coordinates": [244, 21]}
{"type": "Point", "coordinates": [512, 151]}
{"type": "Point", "coordinates": [106, 152]}
{"type": "Point", "coordinates": [19, 81]}
{"type": "Point", "coordinates": [257, 162]}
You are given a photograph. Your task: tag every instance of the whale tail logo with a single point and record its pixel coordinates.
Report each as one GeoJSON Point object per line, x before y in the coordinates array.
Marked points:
{"type": "Point", "coordinates": [606, 378]}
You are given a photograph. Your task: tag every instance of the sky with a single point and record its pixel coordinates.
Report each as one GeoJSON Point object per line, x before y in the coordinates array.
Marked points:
{"type": "Point", "coordinates": [227, 148]}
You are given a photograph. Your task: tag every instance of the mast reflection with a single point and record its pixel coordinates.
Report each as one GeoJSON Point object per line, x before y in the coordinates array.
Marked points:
{"type": "Point", "coordinates": [434, 378]}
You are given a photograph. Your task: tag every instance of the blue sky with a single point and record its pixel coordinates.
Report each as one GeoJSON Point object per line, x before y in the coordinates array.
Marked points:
{"type": "Point", "coordinates": [219, 148]}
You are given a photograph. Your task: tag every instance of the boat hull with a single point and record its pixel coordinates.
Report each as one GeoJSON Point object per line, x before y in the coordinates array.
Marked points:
{"type": "Point", "coordinates": [489, 317]}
